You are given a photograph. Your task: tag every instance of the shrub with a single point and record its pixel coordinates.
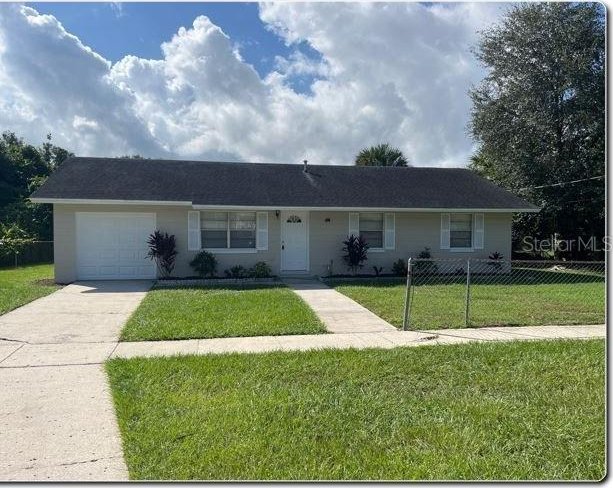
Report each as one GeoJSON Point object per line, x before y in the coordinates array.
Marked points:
{"type": "Point", "coordinates": [13, 240]}
{"type": "Point", "coordinates": [399, 268]}
{"type": "Point", "coordinates": [495, 256]}
{"type": "Point", "coordinates": [425, 267]}
{"type": "Point", "coordinates": [163, 250]}
{"type": "Point", "coordinates": [236, 272]}
{"type": "Point", "coordinates": [378, 270]}
{"type": "Point", "coordinates": [425, 254]}
{"type": "Point", "coordinates": [356, 251]}
{"type": "Point", "coordinates": [260, 270]}
{"type": "Point", "coordinates": [205, 264]}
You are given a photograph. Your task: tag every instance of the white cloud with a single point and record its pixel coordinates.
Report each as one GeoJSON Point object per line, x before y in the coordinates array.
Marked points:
{"type": "Point", "coordinates": [83, 123]}
{"type": "Point", "coordinates": [388, 72]}
{"type": "Point", "coordinates": [49, 76]}
{"type": "Point", "coordinates": [406, 65]}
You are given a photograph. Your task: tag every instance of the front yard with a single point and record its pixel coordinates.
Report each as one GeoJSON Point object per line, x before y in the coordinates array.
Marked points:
{"type": "Point", "coordinates": [531, 298]}
{"type": "Point", "coordinates": [220, 311]}
{"type": "Point", "coordinates": [23, 284]}
{"type": "Point", "coordinates": [523, 410]}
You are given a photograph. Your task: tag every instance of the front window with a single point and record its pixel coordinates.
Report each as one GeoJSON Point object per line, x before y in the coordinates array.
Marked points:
{"type": "Point", "coordinates": [228, 230]}
{"type": "Point", "coordinates": [461, 231]}
{"type": "Point", "coordinates": [371, 229]}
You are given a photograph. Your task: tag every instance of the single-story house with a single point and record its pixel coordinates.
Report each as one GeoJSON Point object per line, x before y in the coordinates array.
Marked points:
{"type": "Point", "coordinates": [292, 216]}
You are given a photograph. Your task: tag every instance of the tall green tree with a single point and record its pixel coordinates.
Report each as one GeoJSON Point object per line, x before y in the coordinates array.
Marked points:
{"type": "Point", "coordinates": [381, 155]}
{"type": "Point", "coordinates": [539, 114]}
{"type": "Point", "coordinates": [23, 168]}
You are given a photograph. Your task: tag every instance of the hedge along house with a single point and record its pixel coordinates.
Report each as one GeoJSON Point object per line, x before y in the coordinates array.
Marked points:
{"type": "Point", "coordinates": [291, 216]}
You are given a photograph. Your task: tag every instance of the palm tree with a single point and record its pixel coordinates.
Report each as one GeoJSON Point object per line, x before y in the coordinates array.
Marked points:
{"type": "Point", "coordinates": [381, 155]}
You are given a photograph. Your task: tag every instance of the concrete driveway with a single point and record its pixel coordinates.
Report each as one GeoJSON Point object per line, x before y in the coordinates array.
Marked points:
{"type": "Point", "coordinates": [56, 416]}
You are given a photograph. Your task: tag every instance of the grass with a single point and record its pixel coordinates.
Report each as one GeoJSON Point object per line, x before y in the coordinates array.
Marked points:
{"type": "Point", "coordinates": [23, 284]}
{"type": "Point", "coordinates": [530, 299]}
{"type": "Point", "coordinates": [221, 311]}
{"type": "Point", "coordinates": [522, 410]}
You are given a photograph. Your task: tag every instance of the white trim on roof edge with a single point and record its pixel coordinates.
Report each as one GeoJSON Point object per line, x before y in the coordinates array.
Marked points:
{"type": "Point", "coordinates": [85, 201]}
{"type": "Point", "coordinates": [94, 201]}
{"type": "Point", "coordinates": [366, 209]}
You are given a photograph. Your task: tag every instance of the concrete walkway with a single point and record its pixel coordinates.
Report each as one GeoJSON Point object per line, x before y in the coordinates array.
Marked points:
{"type": "Point", "coordinates": [84, 354]}
{"type": "Point", "coordinates": [354, 340]}
{"type": "Point", "coordinates": [57, 421]}
{"type": "Point", "coordinates": [339, 313]}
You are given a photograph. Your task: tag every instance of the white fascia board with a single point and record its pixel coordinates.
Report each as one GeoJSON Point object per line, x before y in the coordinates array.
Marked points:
{"type": "Point", "coordinates": [367, 209]}
{"type": "Point", "coordinates": [84, 201]}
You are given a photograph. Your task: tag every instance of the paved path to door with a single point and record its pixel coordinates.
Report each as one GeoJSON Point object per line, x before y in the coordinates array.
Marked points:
{"type": "Point", "coordinates": [57, 421]}
{"type": "Point", "coordinates": [339, 313]}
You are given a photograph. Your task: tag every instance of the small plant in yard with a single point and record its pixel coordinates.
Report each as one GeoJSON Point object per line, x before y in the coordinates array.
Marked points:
{"type": "Point", "coordinates": [260, 270]}
{"type": "Point", "coordinates": [495, 257]}
{"type": "Point", "coordinates": [236, 272]}
{"type": "Point", "coordinates": [205, 264]}
{"type": "Point", "coordinates": [425, 267]}
{"type": "Point", "coordinates": [13, 240]}
{"type": "Point", "coordinates": [378, 270]}
{"type": "Point", "coordinates": [399, 268]}
{"type": "Point", "coordinates": [356, 251]}
{"type": "Point", "coordinates": [163, 250]}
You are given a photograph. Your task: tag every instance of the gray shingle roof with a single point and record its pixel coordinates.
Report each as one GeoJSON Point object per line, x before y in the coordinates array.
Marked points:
{"type": "Point", "coordinates": [274, 185]}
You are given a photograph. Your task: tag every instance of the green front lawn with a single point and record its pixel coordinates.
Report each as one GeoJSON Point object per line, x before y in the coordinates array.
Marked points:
{"type": "Point", "coordinates": [221, 311]}
{"type": "Point", "coordinates": [21, 285]}
{"type": "Point", "coordinates": [522, 410]}
{"type": "Point", "coordinates": [524, 298]}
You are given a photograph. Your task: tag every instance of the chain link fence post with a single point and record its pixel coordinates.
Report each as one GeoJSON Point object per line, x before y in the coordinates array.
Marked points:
{"type": "Point", "coordinates": [407, 297]}
{"type": "Point", "coordinates": [467, 305]}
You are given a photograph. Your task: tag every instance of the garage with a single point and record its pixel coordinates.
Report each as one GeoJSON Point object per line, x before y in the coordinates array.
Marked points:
{"type": "Point", "coordinates": [113, 246]}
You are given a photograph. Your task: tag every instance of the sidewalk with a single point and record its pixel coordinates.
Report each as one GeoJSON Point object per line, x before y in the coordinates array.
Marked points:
{"type": "Point", "coordinates": [357, 340]}
{"type": "Point", "coordinates": [16, 355]}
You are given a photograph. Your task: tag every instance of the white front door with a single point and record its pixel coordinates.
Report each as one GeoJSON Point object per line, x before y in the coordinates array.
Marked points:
{"type": "Point", "coordinates": [294, 241]}
{"type": "Point", "coordinates": [113, 246]}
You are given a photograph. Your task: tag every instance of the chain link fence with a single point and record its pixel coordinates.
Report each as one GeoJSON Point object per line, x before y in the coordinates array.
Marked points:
{"type": "Point", "coordinates": [13, 254]}
{"type": "Point", "coordinates": [443, 293]}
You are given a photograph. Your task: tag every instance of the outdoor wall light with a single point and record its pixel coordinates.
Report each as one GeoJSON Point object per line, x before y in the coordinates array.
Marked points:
{"type": "Point", "coordinates": [277, 213]}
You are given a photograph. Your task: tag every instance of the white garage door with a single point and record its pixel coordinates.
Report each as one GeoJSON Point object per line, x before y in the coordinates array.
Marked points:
{"type": "Point", "coordinates": [113, 246]}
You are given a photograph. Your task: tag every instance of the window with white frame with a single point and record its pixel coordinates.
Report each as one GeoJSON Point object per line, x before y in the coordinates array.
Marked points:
{"type": "Point", "coordinates": [372, 228]}
{"type": "Point", "coordinates": [460, 230]}
{"type": "Point", "coordinates": [228, 230]}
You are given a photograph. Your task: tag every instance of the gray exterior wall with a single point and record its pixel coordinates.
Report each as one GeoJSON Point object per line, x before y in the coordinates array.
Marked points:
{"type": "Point", "coordinates": [168, 219]}
{"type": "Point", "coordinates": [414, 231]}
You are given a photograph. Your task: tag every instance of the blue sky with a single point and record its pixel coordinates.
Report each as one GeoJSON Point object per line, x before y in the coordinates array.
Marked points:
{"type": "Point", "coordinates": [313, 80]}
{"type": "Point", "coordinates": [115, 30]}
